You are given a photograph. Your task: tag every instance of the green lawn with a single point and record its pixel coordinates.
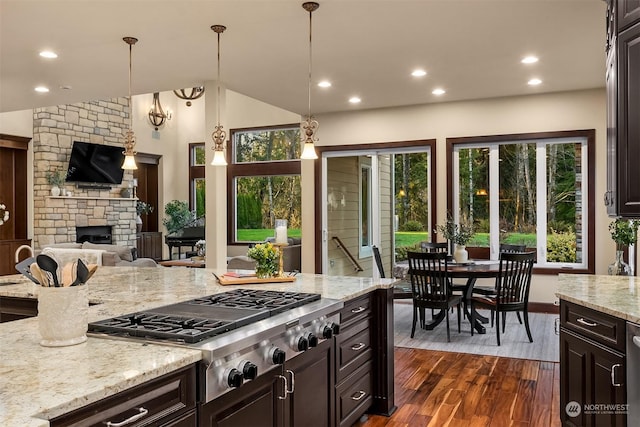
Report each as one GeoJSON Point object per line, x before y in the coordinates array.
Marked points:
{"type": "Point", "coordinates": [261, 234]}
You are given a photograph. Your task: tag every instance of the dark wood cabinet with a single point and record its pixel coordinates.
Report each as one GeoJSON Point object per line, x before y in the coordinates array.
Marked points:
{"type": "Point", "coordinates": [149, 245]}
{"type": "Point", "coordinates": [592, 367]}
{"type": "Point", "coordinates": [623, 108]}
{"type": "Point", "coordinates": [169, 400]}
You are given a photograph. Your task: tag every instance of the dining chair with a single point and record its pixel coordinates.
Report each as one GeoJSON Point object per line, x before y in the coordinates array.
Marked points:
{"type": "Point", "coordinates": [433, 247]}
{"type": "Point", "coordinates": [512, 291]}
{"type": "Point", "coordinates": [491, 290]}
{"type": "Point", "coordinates": [401, 290]}
{"type": "Point", "coordinates": [431, 288]}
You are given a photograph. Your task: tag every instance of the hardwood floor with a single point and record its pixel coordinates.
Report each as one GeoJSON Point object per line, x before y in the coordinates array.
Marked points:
{"type": "Point", "coordinates": [435, 388]}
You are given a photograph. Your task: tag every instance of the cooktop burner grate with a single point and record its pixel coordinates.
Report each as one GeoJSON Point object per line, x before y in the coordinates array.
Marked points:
{"type": "Point", "coordinates": [275, 301]}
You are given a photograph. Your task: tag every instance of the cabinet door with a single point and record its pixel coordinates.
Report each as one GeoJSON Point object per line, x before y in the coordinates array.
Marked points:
{"type": "Point", "coordinates": [254, 404]}
{"type": "Point", "coordinates": [586, 380]}
{"type": "Point", "coordinates": [628, 13]}
{"type": "Point", "coordinates": [628, 155]}
{"type": "Point", "coordinates": [610, 197]}
{"type": "Point", "coordinates": [312, 400]}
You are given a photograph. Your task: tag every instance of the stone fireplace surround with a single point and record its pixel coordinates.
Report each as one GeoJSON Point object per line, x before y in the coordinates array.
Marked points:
{"type": "Point", "coordinates": [54, 130]}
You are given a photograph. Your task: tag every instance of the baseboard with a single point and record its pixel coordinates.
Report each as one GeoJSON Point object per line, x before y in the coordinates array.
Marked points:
{"type": "Point", "coordinates": [543, 307]}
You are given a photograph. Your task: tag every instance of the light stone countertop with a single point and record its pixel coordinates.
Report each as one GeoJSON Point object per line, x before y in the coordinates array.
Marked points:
{"type": "Point", "coordinates": [618, 296]}
{"type": "Point", "coordinates": [40, 383]}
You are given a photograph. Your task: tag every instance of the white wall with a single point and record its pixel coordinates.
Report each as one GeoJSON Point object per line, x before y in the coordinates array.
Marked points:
{"type": "Point", "coordinates": [535, 113]}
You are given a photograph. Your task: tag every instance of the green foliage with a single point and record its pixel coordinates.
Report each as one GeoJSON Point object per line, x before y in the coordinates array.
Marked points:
{"type": "Point", "coordinates": [412, 226]}
{"type": "Point", "coordinates": [143, 208]}
{"type": "Point", "coordinates": [56, 177]}
{"type": "Point", "coordinates": [178, 214]}
{"type": "Point", "coordinates": [249, 211]}
{"type": "Point", "coordinates": [460, 234]}
{"type": "Point", "coordinates": [624, 232]}
{"type": "Point", "coordinates": [401, 251]}
{"type": "Point", "coordinates": [261, 234]}
{"type": "Point", "coordinates": [561, 247]}
{"type": "Point", "coordinates": [411, 175]}
{"type": "Point", "coordinates": [200, 197]}
{"type": "Point", "coordinates": [560, 227]}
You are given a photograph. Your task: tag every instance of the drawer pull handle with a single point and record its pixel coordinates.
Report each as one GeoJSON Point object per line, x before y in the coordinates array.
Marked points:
{"type": "Point", "coordinates": [285, 388]}
{"type": "Point", "coordinates": [358, 395]}
{"type": "Point", "coordinates": [357, 310]}
{"type": "Point", "coordinates": [613, 375]}
{"type": "Point", "coordinates": [358, 346]}
{"type": "Point", "coordinates": [556, 326]}
{"type": "Point", "coordinates": [292, 382]}
{"type": "Point", "coordinates": [142, 412]}
{"type": "Point", "coordinates": [587, 323]}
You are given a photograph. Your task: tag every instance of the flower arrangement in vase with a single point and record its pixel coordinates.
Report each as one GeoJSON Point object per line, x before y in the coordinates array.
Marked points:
{"type": "Point", "coordinates": [460, 235]}
{"type": "Point", "coordinates": [266, 257]}
{"type": "Point", "coordinates": [201, 247]}
{"type": "Point", "coordinates": [56, 180]}
{"type": "Point", "coordinates": [142, 208]}
{"type": "Point", "coordinates": [624, 233]}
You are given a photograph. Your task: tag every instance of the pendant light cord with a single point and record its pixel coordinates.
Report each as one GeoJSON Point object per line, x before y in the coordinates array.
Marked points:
{"type": "Point", "coordinates": [310, 58]}
{"type": "Point", "coordinates": [218, 85]}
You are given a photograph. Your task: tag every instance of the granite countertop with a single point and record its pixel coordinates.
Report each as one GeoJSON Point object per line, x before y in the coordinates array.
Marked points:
{"type": "Point", "coordinates": [40, 383]}
{"type": "Point", "coordinates": [618, 296]}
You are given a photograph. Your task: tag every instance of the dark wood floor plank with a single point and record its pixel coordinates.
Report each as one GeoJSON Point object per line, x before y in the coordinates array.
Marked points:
{"type": "Point", "coordinates": [435, 388]}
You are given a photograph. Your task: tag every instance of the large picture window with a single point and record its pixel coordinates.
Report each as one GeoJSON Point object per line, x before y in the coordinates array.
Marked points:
{"type": "Point", "coordinates": [197, 183]}
{"type": "Point", "coordinates": [264, 182]}
{"type": "Point", "coordinates": [527, 189]}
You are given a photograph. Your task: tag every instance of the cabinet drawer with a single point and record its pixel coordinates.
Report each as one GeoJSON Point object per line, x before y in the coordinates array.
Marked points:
{"type": "Point", "coordinates": [357, 308]}
{"type": "Point", "coordinates": [354, 396]}
{"type": "Point", "coordinates": [600, 327]}
{"type": "Point", "coordinates": [353, 348]}
{"type": "Point", "coordinates": [157, 402]}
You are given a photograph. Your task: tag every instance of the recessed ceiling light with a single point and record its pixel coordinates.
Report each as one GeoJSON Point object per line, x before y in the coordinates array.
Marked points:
{"type": "Point", "coordinates": [355, 100]}
{"type": "Point", "coordinates": [438, 91]}
{"type": "Point", "coordinates": [529, 59]}
{"type": "Point", "coordinates": [48, 54]}
{"type": "Point", "coordinates": [324, 83]}
{"type": "Point", "coordinates": [42, 89]}
{"type": "Point", "coordinates": [419, 73]}
{"type": "Point", "coordinates": [534, 82]}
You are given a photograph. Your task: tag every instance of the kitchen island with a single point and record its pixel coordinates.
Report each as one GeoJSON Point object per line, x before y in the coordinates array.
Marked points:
{"type": "Point", "coordinates": [41, 383]}
{"type": "Point", "coordinates": [597, 383]}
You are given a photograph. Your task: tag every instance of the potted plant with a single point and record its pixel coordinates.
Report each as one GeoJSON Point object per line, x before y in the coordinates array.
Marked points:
{"type": "Point", "coordinates": [266, 257]}
{"type": "Point", "coordinates": [179, 215]}
{"type": "Point", "coordinates": [458, 234]}
{"type": "Point", "coordinates": [624, 233]}
{"type": "Point", "coordinates": [56, 180]}
{"type": "Point", "coordinates": [142, 208]}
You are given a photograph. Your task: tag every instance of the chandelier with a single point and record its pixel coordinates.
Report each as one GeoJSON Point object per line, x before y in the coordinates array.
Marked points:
{"type": "Point", "coordinates": [218, 135]}
{"type": "Point", "coordinates": [195, 93]}
{"type": "Point", "coordinates": [130, 139]}
{"type": "Point", "coordinates": [310, 124]}
{"type": "Point", "coordinates": [157, 116]}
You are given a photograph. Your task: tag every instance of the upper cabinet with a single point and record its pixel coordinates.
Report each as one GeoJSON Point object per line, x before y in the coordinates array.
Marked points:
{"type": "Point", "coordinates": [623, 108]}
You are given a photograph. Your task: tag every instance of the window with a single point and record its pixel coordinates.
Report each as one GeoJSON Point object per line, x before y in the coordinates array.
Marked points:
{"type": "Point", "coordinates": [264, 182]}
{"type": "Point", "coordinates": [366, 227]}
{"type": "Point", "coordinates": [532, 189]}
{"type": "Point", "coordinates": [196, 178]}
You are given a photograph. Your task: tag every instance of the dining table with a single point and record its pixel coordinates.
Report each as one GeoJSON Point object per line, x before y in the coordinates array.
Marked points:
{"type": "Point", "coordinates": [470, 271]}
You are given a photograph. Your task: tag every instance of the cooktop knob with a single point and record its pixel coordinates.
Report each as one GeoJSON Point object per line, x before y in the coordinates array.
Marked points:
{"type": "Point", "coordinates": [277, 356]}
{"type": "Point", "coordinates": [327, 332]}
{"type": "Point", "coordinates": [249, 370]}
{"type": "Point", "coordinates": [312, 339]}
{"type": "Point", "coordinates": [335, 328]}
{"type": "Point", "coordinates": [234, 378]}
{"type": "Point", "coordinates": [301, 344]}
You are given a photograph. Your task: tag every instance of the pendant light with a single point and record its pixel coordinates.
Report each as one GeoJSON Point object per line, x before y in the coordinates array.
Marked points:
{"type": "Point", "coordinates": [157, 116]}
{"type": "Point", "coordinates": [218, 135]}
{"type": "Point", "coordinates": [310, 124]}
{"type": "Point", "coordinates": [196, 92]}
{"type": "Point", "coordinates": [130, 139]}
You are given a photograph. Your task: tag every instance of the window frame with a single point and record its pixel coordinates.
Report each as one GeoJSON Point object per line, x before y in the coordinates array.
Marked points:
{"type": "Point", "coordinates": [365, 251]}
{"type": "Point", "coordinates": [195, 172]}
{"type": "Point", "coordinates": [588, 135]}
{"type": "Point", "coordinates": [252, 169]}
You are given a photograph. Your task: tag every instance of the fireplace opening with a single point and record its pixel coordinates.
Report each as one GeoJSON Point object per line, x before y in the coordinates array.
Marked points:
{"type": "Point", "coordinates": [94, 234]}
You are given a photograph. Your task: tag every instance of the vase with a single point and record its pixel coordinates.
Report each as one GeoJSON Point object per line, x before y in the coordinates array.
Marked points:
{"type": "Point", "coordinates": [264, 271]}
{"type": "Point", "coordinates": [138, 224]}
{"type": "Point", "coordinates": [619, 267]}
{"type": "Point", "coordinates": [460, 255]}
{"type": "Point", "coordinates": [55, 191]}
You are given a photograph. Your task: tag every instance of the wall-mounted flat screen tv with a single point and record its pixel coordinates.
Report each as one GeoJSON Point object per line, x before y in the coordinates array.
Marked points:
{"type": "Point", "coordinates": [95, 163]}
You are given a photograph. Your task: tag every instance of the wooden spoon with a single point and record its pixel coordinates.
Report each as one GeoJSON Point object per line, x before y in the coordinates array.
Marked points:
{"type": "Point", "coordinates": [67, 274]}
{"type": "Point", "coordinates": [38, 274]}
{"type": "Point", "coordinates": [92, 269]}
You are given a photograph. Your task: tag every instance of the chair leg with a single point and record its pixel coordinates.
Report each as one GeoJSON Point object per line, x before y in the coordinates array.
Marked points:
{"type": "Point", "coordinates": [498, 327]}
{"type": "Point", "coordinates": [458, 306]}
{"type": "Point", "coordinates": [504, 321]}
{"type": "Point", "coordinates": [526, 324]}
{"type": "Point", "coordinates": [519, 318]}
{"type": "Point", "coordinates": [448, 333]}
{"type": "Point", "coordinates": [473, 317]}
{"type": "Point", "coordinates": [492, 315]}
{"type": "Point", "coordinates": [415, 319]}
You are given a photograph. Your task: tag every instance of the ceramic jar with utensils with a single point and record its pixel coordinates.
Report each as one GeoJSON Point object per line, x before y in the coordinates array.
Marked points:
{"type": "Point", "coordinates": [63, 315]}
